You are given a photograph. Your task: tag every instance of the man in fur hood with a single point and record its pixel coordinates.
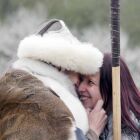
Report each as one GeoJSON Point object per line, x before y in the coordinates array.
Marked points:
{"type": "Point", "coordinates": [38, 100]}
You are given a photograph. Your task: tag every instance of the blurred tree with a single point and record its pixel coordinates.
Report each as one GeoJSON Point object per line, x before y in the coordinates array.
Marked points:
{"type": "Point", "coordinates": [7, 7]}
{"type": "Point", "coordinates": [79, 13]}
{"type": "Point", "coordinates": [82, 13]}
{"type": "Point", "coordinates": [130, 19]}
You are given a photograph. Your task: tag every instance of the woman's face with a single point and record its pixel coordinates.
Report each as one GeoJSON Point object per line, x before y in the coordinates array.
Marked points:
{"type": "Point", "coordinates": [89, 91]}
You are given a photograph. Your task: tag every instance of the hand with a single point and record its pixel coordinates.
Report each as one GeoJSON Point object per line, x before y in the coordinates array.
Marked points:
{"type": "Point", "coordinates": [97, 118]}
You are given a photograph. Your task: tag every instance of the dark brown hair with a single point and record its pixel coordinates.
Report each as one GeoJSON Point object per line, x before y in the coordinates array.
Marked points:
{"type": "Point", "coordinates": [130, 95]}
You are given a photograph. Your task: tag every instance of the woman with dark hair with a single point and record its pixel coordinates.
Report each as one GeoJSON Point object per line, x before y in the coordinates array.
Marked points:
{"type": "Point", "coordinates": [101, 85]}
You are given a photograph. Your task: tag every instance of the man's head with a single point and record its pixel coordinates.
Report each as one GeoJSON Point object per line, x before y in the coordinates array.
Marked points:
{"type": "Point", "coordinates": [54, 44]}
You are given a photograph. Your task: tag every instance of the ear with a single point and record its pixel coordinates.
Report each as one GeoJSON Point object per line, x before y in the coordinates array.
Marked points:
{"type": "Point", "coordinates": [52, 25]}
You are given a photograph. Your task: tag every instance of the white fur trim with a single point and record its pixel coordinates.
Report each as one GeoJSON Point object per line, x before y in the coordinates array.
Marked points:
{"type": "Point", "coordinates": [73, 103]}
{"type": "Point", "coordinates": [60, 84]}
{"type": "Point", "coordinates": [40, 68]}
{"type": "Point", "coordinates": [62, 51]}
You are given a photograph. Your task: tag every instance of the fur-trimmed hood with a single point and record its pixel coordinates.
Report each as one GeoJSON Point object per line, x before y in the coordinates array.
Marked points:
{"type": "Point", "coordinates": [61, 49]}
{"type": "Point", "coordinates": [59, 83]}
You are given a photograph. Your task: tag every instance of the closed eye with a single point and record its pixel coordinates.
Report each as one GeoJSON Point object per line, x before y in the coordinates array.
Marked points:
{"type": "Point", "coordinates": [91, 83]}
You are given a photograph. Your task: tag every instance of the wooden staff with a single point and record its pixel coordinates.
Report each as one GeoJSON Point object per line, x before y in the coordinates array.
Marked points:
{"type": "Point", "coordinates": [115, 41]}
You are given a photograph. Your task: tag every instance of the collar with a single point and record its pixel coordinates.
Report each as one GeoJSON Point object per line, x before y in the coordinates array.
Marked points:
{"type": "Point", "coordinates": [36, 67]}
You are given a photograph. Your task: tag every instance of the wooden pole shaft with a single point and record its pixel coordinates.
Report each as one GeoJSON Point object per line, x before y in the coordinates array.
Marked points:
{"type": "Point", "coordinates": [116, 103]}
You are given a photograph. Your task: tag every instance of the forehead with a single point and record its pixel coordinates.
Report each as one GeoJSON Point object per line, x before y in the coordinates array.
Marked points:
{"type": "Point", "coordinates": [95, 76]}
{"type": "Point", "coordinates": [72, 73]}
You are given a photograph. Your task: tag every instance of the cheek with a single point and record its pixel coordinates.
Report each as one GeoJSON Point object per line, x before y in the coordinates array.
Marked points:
{"type": "Point", "coordinates": [95, 94]}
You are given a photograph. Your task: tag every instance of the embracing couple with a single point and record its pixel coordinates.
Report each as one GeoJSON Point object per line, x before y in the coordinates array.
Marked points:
{"type": "Point", "coordinates": [60, 89]}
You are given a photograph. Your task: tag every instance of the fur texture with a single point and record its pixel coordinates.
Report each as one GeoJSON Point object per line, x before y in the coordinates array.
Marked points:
{"type": "Point", "coordinates": [62, 50]}
{"type": "Point", "coordinates": [30, 111]}
{"type": "Point", "coordinates": [60, 84]}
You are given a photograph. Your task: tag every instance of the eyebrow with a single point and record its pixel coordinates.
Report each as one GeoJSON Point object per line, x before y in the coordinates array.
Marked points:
{"type": "Point", "coordinates": [92, 80]}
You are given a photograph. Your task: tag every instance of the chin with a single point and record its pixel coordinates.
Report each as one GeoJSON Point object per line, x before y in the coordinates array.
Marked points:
{"type": "Point", "coordinates": [86, 105]}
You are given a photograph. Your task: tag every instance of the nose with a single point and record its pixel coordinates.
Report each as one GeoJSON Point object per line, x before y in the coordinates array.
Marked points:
{"type": "Point", "coordinates": [82, 87]}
